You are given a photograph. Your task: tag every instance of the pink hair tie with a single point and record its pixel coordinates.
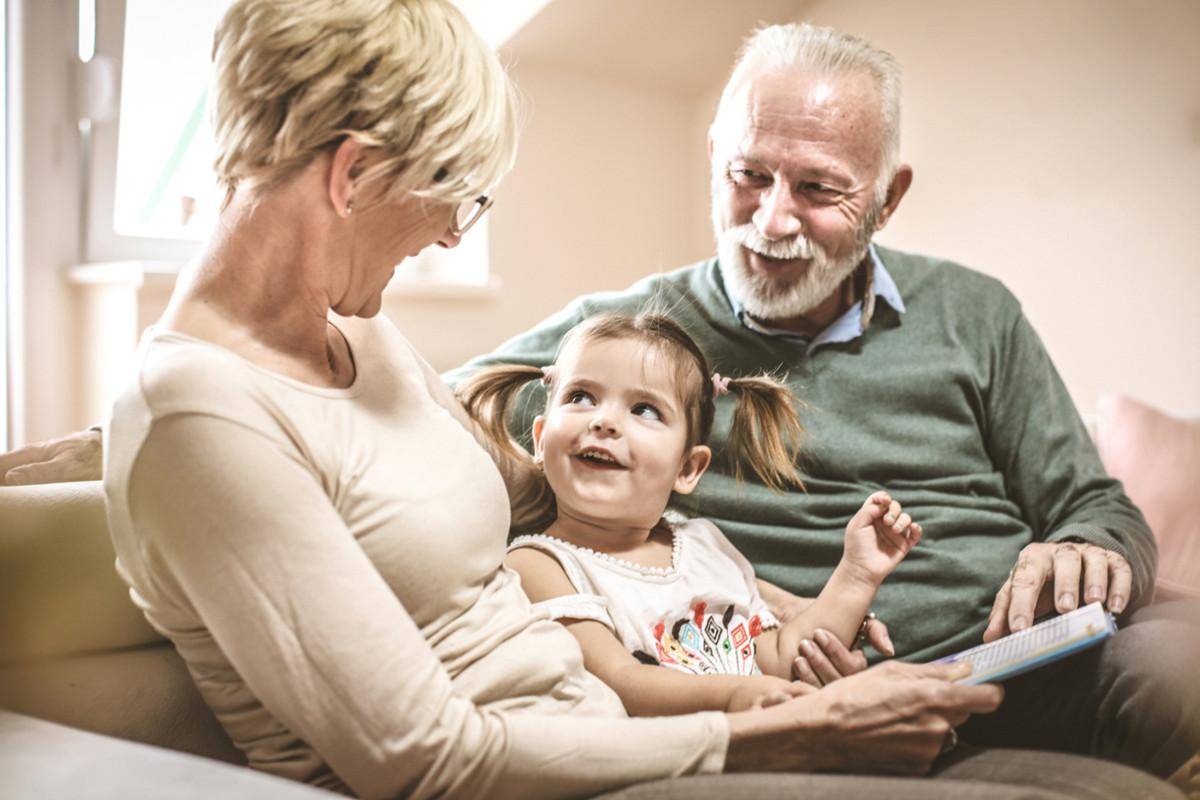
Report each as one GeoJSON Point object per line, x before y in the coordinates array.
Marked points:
{"type": "Point", "coordinates": [548, 373]}
{"type": "Point", "coordinates": [720, 385]}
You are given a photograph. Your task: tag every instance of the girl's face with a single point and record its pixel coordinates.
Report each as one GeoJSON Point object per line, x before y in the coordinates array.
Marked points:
{"type": "Point", "coordinates": [614, 435]}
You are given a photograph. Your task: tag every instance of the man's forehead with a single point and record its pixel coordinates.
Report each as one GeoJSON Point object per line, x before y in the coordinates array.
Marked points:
{"type": "Point", "coordinates": [799, 104]}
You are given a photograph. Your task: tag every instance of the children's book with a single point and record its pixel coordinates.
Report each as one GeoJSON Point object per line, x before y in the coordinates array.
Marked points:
{"type": "Point", "coordinates": [1043, 643]}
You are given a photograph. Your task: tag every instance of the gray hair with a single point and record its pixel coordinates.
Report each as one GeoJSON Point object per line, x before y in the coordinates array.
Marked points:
{"type": "Point", "coordinates": [804, 47]}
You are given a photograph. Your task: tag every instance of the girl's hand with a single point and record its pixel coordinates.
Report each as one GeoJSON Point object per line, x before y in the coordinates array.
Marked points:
{"type": "Point", "coordinates": [879, 536]}
{"type": "Point", "coordinates": [762, 691]}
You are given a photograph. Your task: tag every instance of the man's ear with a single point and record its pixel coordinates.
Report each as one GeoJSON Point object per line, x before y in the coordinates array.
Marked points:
{"type": "Point", "coordinates": [896, 191]}
{"type": "Point", "coordinates": [539, 425]}
{"type": "Point", "coordinates": [343, 169]}
{"type": "Point", "coordinates": [695, 462]}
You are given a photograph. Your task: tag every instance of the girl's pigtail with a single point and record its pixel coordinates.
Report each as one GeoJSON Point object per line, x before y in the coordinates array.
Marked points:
{"type": "Point", "coordinates": [488, 396]}
{"type": "Point", "coordinates": [766, 431]}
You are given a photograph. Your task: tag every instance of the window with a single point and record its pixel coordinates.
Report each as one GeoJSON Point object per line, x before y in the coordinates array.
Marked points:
{"type": "Point", "coordinates": [152, 195]}
{"type": "Point", "coordinates": [6, 429]}
{"type": "Point", "coordinates": [164, 182]}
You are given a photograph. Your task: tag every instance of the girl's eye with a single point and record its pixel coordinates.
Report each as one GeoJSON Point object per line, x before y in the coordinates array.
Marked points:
{"type": "Point", "coordinates": [647, 411]}
{"type": "Point", "coordinates": [579, 398]}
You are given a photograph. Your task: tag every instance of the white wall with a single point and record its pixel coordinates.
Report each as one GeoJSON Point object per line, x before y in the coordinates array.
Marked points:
{"type": "Point", "coordinates": [49, 187]}
{"type": "Point", "coordinates": [1056, 145]}
{"type": "Point", "coordinates": [608, 184]}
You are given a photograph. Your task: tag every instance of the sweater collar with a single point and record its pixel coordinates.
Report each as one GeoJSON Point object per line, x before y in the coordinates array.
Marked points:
{"type": "Point", "coordinates": [849, 326]}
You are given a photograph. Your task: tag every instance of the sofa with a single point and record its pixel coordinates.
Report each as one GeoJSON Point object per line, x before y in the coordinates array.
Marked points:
{"type": "Point", "coordinates": [85, 683]}
{"type": "Point", "coordinates": [81, 671]}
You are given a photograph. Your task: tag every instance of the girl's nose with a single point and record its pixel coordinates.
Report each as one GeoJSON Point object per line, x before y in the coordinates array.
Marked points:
{"type": "Point", "coordinates": [602, 424]}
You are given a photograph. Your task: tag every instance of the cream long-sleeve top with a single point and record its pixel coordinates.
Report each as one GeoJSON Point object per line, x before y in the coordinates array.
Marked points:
{"type": "Point", "coordinates": [328, 564]}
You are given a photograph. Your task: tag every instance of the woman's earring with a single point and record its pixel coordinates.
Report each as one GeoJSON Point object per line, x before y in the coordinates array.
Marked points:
{"type": "Point", "coordinates": [538, 461]}
{"type": "Point", "coordinates": [349, 207]}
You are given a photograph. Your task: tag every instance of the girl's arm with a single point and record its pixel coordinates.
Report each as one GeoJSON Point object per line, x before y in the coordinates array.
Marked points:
{"type": "Point", "coordinates": [839, 609]}
{"type": "Point", "coordinates": [645, 689]}
{"type": "Point", "coordinates": [878, 537]}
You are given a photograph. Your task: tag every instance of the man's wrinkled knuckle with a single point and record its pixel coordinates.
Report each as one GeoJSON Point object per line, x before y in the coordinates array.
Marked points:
{"type": "Point", "coordinates": [1024, 564]}
{"type": "Point", "coordinates": [1023, 579]}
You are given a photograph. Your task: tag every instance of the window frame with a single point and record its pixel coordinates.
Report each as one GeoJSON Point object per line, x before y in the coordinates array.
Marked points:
{"type": "Point", "coordinates": [437, 274]}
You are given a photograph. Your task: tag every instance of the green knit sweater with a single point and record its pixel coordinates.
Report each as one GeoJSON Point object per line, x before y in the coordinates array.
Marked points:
{"type": "Point", "coordinates": [954, 407]}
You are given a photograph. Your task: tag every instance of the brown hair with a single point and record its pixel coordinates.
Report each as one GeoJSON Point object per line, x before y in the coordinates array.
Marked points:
{"type": "Point", "coordinates": [765, 433]}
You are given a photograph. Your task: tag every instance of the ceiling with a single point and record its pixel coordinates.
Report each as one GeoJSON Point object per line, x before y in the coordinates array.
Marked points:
{"type": "Point", "coordinates": [679, 46]}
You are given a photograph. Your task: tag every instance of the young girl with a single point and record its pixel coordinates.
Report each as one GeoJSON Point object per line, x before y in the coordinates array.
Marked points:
{"type": "Point", "coordinates": [629, 408]}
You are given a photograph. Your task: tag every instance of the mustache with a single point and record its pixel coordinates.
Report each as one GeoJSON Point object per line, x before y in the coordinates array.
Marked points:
{"type": "Point", "coordinates": [787, 249]}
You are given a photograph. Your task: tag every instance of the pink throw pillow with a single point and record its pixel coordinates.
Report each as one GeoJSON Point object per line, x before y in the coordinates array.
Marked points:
{"type": "Point", "coordinates": [1157, 457]}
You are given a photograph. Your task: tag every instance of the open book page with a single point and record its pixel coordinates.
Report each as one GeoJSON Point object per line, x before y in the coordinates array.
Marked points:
{"type": "Point", "coordinates": [1043, 643]}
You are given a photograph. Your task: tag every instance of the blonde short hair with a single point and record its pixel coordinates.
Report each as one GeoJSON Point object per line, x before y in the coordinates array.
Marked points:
{"type": "Point", "coordinates": [409, 78]}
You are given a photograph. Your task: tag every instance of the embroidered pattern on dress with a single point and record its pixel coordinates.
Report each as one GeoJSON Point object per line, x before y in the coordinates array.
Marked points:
{"type": "Point", "coordinates": [707, 643]}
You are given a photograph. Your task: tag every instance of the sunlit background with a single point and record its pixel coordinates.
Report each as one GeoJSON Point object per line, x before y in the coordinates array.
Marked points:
{"type": "Point", "coordinates": [1056, 145]}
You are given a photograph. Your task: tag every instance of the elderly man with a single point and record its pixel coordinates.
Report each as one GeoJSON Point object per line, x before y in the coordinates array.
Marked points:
{"type": "Point", "coordinates": [919, 376]}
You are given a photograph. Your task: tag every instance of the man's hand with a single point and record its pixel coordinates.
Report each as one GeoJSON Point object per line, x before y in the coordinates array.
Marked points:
{"type": "Point", "coordinates": [1054, 576]}
{"type": "Point", "coordinates": [75, 457]}
{"type": "Point", "coordinates": [893, 718]}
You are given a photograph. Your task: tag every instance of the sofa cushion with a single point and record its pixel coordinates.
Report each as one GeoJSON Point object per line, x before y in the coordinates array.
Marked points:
{"type": "Point", "coordinates": [144, 694]}
{"type": "Point", "coordinates": [1157, 458]}
{"type": "Point", "coordinates": [42, 759]}
{"type": "Point", "coordinates": [59, 590]}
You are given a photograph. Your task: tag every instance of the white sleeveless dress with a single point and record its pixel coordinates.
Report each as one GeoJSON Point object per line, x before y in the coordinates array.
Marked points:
{"type": "Point", "coordinates": [701, 615]}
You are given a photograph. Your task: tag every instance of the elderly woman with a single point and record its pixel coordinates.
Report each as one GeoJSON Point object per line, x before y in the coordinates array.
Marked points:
{"type": "Point", "coordinates": [299, 503]}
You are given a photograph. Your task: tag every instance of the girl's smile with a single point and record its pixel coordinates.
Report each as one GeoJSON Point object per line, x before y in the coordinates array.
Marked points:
{"type": "Point", "coordinates": [613, 437]}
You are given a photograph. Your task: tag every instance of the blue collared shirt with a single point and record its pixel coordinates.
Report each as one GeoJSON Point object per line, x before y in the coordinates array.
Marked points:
{"type": "Point", "coordinates": [845, 328]}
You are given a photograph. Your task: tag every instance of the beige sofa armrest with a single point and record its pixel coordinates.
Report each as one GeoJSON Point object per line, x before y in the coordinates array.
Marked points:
{"type": "Point", "coordinates": [59, 590]}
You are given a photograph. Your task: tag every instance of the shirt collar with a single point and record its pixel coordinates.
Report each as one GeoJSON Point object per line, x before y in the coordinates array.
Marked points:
{"type": "Point", "coordinates": [845, 328]}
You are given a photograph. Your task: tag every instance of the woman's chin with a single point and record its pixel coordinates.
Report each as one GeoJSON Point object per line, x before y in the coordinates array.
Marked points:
{"type": "Point", "coordinates": [365, 309]}
{"type": "Point", "coordinates": [372, 307]}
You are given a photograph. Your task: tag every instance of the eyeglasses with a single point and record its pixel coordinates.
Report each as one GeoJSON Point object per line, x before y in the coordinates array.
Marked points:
{"type": "Point", "coordinates": [468, 213]}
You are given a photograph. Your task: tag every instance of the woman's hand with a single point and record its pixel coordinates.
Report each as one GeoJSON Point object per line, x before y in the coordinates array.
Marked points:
{"type": "Point", "coordinates": [893, 718]}
{"type": "Point", "coordinates": [763, 691]}
{"type": "Point", "coordinates": [74, 457]}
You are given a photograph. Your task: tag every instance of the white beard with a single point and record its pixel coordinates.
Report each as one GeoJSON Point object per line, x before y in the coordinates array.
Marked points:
{"type": "Point", "coordinates": [768, 299]}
